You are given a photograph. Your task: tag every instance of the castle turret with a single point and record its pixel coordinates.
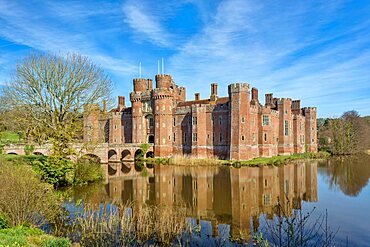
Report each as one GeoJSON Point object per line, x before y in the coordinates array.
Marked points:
{"type": "Point", "coordinates": [91, 123]}
{"type": "Point", "coordinates": [285, 144]}
{"type": "Point", "coordinates": [163, 81]}
{"type": "Point", "coordinates": [239, 120]}
{"type": "Point", "coordinates": [310, 129]}
{"type": "Point", "coordinates": [163, 119]}
{"type": "Point", "coordinates": [115, 127]}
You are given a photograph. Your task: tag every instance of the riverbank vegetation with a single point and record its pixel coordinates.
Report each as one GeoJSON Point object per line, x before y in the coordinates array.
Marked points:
{"type": "Point", "coordinates": [259, 161]}
{"type": "Point", "coordinates": [346, 135]}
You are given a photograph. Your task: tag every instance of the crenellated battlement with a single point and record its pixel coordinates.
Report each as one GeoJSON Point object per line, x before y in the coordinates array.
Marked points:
{"type": "Point", "coordinates": [135, 96]}
{"type": "Point", "coordinates": [238, 87]}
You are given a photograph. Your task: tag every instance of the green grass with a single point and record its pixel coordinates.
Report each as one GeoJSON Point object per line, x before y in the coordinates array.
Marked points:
{"type": "Point", "coordinates": [27, 236]}
{"type": "Point", "coordinates": [9, 137]}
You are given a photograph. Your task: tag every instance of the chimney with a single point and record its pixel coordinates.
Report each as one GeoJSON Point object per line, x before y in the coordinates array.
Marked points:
{"type": "Point", "coordinates": [268, 99]}
{"type": "Point", "coordinates": [296, 106]}
{"type": "Point", "coordinates": [104, 106]}
{"type": "Point", "coordinates": [214, 87]}
{"type": "Point", "coordinates": [255, 94]}
{"type": "Point", "coordinates": [121, 102]}
{"type": "Point", "coordinates": [197, 96]}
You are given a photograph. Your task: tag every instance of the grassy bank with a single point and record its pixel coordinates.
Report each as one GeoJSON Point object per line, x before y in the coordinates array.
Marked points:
{"type": "Point", "coordinates": [260, 161]}
{"type": "Point", "coordinates": [27, 236]}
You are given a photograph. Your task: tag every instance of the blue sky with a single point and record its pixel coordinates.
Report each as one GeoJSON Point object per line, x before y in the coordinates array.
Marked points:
{"type": "Point", "coordinates": [318, 51]}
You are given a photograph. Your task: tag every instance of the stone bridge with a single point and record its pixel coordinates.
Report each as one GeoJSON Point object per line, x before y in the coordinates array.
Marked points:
{"type": "Point", "coordinates": [103, 151]}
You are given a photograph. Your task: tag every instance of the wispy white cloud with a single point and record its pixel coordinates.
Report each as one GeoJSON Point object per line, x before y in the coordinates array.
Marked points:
{"type": "Point", "coordinates": [298, 51]}
{"type": "Point", "coordinates": [145, 25]}
{"type": "Point", "coordinates": [42, 32]}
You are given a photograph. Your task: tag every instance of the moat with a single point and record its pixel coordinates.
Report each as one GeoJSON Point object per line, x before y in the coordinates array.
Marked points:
{"type": "Point", "coordinates": [229, 202]}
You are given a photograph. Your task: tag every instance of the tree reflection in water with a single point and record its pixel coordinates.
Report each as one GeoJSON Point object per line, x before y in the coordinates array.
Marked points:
{"type": "Point", "coordinates": [348, 173]}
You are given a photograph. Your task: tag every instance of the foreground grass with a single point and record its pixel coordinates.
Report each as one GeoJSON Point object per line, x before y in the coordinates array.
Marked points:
{"type": "Point", "coordinates": [260, 161]}
{"type": "Point", "coordinates": [27, 236]}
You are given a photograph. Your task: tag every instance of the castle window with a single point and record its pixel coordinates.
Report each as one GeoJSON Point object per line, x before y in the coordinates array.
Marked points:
{"type": "Point", "coordinates": [194, 120]}
{"type": "Point", "coordinates": [208, 136]}
{"type": "Point", "coordinates": [169, 137]}
{"type": "Point", "coordinates": [242, 138]}
{"type": "Point", "coordinates": [265, 120]}
{"type": "Point", "coordinates": [286, 112]}
{"type": "Point", "coordinates": [174, 137]}
{"type": "Point", "coordinates": [184, 136]}
{"type": "Point", "coordinates": [220, 120]}
{"type": "Point", "coordinates": [220, 137]}
{"type": "Point", "coordinates": [313, 141]}
{"type": "Point", "coordinates": [189, 120]}
{"type": "Point", "coordinates": [163, 108]}
{"type": "Point", "coordinates": [163, 125]}
{"type": "Point", "coordinates": [243, 119]}
{"type": "Point", "coordinates": [115, 127]}
{"type": "Point", "coordinates": [194, 137]}
{"type": "Point", "coordinates": [213, 120]}
{"type": "Point", "coordinates": [266, 183]}
{"type": "Point", "coordinates": [265, 137]}
{"type": "Point", "coordinates": [174, 121]}
{"type": "Point", "coordinates": [151, 122]}
{"type": "Point", "coordinates": [266, 199]}
{"type": "Point", "coordinates": [286, 127]}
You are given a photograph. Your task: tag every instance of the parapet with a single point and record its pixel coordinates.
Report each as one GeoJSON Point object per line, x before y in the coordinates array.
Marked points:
{"type": "Point", "coordinates": [238, 87]}
{"type": "Point", "coordinates": [141, 84]}
{"type": "Point", "coordinates": [161, 93]}
{"type": "Point", "coordinates": [163, 81]}
{"type": "Point", "coordinates": [309, 109]}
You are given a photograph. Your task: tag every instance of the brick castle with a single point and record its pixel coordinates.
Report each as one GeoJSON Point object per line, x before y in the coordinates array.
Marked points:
{"type": "Point", "coordinates": [236, 127]}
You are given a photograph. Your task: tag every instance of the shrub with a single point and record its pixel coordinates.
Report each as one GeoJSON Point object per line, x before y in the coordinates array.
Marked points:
{"type": "Point", "coordinates": [3, 222]}
{"type": "Point", "coordinates": [24, 199]}
{"type": "Point", "coordinates": [28, 149]}
{"type": "Point", "coordinates": [87, 170]}
{"type": "Point", "coordinates": [53, 170]}
{"type": "Point", "coordinates": [56, 242]}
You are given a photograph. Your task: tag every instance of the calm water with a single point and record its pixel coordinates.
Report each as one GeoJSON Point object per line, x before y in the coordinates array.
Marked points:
{"type": "Point", "coordinates": [229, 201]}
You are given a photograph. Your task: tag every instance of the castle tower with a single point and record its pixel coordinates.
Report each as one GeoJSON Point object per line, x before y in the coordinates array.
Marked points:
{"type": "Point", "coordinates": [138, 132]}
{"type": "Point", "coordinates": [199, 131]}
{"type": "Point", "coordinates": [310, 129]}
{"type": "Point", "coordinates": [285, 144]}
{"type": "Point", "coordinates": [115, 128]}
{"type": "Point", "coordinates": [163, 104]}
{"type": "Point", "coordinates": [91, 123]}
{"type": "Point", "coordinates": [239, 121]}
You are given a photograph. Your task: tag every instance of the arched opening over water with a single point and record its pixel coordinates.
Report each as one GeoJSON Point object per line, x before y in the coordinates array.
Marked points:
{"type": "Point", "coordinates": [126, 167]}
{"type": "Point", "coordinates": [12, 153]}
{"type": "Point", "coordinates": [125, 154]}
{"type": "Point", "coordinates": [92, 157]}
{"type": "Point", "coordinates": [38, 153]}
{"type": "Point", "coordinates": [139, 154]}
{"type": "Point", "coordinates": [150, 154]}
{"type": "Point", "coordinates": [112, 155]}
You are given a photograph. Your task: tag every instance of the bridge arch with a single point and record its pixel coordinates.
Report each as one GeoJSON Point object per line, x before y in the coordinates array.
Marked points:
{"type": "Point", "coordinates": [112, 155]}
{"type": "Point", "coordinates": [38, 153]}
{"type": "Point", "coordinates": [92, 157]}
{"type": "Point", "coordinates": [139, 153]}
{"type": "Point", "coordinates": [149, 154]}
{"type": "Point", "coordinates": [125, 154]}
{"type": "Point", "coordinates": [13, 153]}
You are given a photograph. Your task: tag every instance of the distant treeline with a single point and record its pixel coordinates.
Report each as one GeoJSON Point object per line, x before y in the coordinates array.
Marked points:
{"type": "Point", "coordinates": [348, 134]}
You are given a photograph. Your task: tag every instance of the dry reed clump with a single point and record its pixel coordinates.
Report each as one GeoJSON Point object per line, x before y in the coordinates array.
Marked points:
{"type": "Point", "coordinates": [108, 225]}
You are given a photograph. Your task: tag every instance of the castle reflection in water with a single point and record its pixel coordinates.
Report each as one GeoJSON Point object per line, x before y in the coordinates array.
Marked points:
{"type": "Point", "coordinates": [220, 195]}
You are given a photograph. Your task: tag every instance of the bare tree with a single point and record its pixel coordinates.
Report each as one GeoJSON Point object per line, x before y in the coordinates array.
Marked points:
{"type": "Point", "coordinates": [48, 94]}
